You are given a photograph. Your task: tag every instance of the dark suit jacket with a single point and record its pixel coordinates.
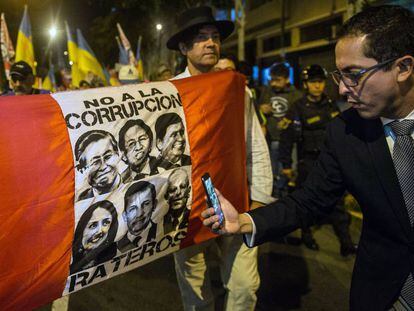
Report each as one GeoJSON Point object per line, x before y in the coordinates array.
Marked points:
{"type": "Point", "coordinates": [86, 194]}
{"type": "Point", "coordinates": [126, 244]}
{"type": "Point", "coordinates": [181, 223]}
{"type": "Point", "coordinates": [166, 165]}
{"type": "Point", "coordinates": [355, 157]}
{"type": "Point", "coordinates": [127, 174]}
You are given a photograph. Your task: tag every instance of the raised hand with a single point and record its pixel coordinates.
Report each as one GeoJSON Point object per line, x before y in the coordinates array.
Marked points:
{"type": "Point", "coordinates": [232, 222]}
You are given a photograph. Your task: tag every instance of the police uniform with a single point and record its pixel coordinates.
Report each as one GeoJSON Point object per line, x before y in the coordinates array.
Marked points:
{"type": "Point", "coordinates": [305, 124]}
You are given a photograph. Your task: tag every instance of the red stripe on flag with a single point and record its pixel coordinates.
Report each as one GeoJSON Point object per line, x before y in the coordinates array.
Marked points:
{"type": "Point", "coordinates": [36, 207]}
{"type": "Point", "coordinates": [214, 111]}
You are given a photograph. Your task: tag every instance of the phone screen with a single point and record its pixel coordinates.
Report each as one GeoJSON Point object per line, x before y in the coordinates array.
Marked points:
{"type": "Point", "coordinates": [212, 198]}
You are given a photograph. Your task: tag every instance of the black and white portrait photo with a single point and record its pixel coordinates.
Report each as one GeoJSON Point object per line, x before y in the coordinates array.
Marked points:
{"type": "Point", "coordinates": [135, 143]}
{"type": "Point", "coordinates": [94, 236]}
{"type": "Point", "coordinates": [139, 204]}
{"type": "Point", "coordinates": [170, 141]}
{"type": "Point", "coordinates": [177, 195]}
{"type": "Point", "coordinates": [97, 155]}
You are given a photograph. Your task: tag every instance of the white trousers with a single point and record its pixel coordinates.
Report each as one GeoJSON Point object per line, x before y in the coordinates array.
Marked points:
{"type": "Point", "coordinates": [238, 268]}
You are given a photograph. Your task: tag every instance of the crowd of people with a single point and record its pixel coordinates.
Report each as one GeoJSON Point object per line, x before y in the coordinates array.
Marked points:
{"type": "Point", "coordinates": [366, 151]}
{"type": "Point", "coordinates": [23, 81]}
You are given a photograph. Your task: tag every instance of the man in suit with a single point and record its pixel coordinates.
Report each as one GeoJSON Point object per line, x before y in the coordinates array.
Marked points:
{"type": "Point", "coordinates": [135, 142]}
{"type": "Point", "coordinates": [169, 129]}
{"type": "Point", "coordinates": [140, 202]}
{"type": "Point", "coordinates": [177, 194]}
{"type": "Point", "coordinates": [97, 155]}
{"type": "Point", "coordinates": [369, 152]}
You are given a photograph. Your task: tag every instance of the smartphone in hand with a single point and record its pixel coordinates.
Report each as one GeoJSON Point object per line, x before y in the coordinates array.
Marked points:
{"type": "Point", "coordinates": [212, 198]}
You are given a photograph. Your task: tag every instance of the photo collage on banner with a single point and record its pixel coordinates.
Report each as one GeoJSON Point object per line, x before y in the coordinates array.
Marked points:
{"type": "Point", "coordinates": [132, 178]}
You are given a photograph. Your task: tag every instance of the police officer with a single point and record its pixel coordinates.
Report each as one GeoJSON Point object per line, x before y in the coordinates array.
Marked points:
{"type": "Point", "coordinates": [305, 124]}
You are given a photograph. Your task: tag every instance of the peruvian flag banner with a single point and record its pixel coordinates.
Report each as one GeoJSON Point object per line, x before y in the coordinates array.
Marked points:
{"type": "Point", "coordinates": [98, 182]}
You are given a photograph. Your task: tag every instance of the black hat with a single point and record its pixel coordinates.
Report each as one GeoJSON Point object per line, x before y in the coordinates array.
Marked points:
{"type": "Point", "coordinates": [196, 17]}
{"type": "Point", "coordinates": [314, 72]}
{"type": "Point", "coordinates": [21, 69]}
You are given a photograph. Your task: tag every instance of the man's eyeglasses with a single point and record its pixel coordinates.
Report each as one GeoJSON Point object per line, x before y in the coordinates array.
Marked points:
{"type": "Point", "coordinates": [352, 79]}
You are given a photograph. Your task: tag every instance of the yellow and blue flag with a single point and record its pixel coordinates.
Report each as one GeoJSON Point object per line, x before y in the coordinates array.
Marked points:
{"type": "Point", "coordinates": [123, 54]}
{"type": "Point", "coordinates": [73, 58]}
{"type": "Point", "coordinates": [24, 46]}
{"type": "Point", "coordinates": [49, 82]}
{"type": "Point", "coordinates": [87, 61]}
{"type": "Point", "coordinates": [140, 65]}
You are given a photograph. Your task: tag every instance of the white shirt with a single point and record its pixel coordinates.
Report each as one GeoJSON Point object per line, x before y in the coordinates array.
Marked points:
{"type": "Point", "coordinates": [389, 135]}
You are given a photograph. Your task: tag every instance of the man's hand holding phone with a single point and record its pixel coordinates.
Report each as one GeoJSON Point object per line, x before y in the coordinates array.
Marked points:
{"type": "Point", "coordinates": [226, 219]}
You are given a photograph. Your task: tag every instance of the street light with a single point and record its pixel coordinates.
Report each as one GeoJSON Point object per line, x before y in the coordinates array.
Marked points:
{"type": "Point", "coordinates": [52, 32]}
{"type": "Point", "coordinates": [159, 28]}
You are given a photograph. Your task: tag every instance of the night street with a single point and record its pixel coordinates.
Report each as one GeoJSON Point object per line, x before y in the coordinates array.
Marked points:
{"type": "Point", "coordinates": [292, 278]}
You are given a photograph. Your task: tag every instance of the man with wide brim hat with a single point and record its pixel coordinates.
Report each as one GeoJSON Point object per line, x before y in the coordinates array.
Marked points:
{"type": "Point", "coordinates": [199, 38]}
{"type": "Point", "coordinates": [190, 20]}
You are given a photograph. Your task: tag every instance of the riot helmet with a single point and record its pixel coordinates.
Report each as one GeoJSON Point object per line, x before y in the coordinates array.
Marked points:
{"type": "Point", "coordinates": [314, 72]}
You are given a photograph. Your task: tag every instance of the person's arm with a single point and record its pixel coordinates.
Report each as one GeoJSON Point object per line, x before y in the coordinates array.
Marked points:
{"type": "Point", "coordinates": [322, 189]}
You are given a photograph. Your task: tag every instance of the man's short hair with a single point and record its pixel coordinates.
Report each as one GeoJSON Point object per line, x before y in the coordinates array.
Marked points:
{"type": "Point", "coordinates": [127, 126]}
{"type": "Point", "coordinates": [139, 187]}
{"type": "Point", "coordinates": [164, 121]}
{"type": "Point", "coordinates": [389, 30]}
{"type": "Point", "coordinates": [86, 139]}
{"type": "Point", "coordinates": [231, 57]}
{"type": "Point", "coordinates": [279, 70]}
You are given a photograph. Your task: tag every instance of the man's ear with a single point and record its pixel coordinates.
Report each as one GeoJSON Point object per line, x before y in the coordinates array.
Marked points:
{"type": "Point", "coordinates": [183, 48]}
{"type": "Point", "coordinates": [406, 68]}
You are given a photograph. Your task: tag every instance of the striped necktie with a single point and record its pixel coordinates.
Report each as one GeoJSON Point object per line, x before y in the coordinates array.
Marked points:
{"type": "Point", "coordinates": [403, 158]}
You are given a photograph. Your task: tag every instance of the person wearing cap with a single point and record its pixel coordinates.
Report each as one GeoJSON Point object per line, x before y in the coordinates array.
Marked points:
{"type": "Point", "coordinates": [305, 123]}
{"type": "Point", "coordinates": [274, 102]}
{"type": "Point", "coordinates": [128, 74]}
{"type": "Point", "coordinates": [22, 80]}
{"type": "Point", "coordinates": [199, 38]}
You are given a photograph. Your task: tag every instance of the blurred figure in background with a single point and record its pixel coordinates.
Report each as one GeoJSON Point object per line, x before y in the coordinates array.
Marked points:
{"type": "Point", "coordinates": [83, 85]}
{"type": "Point", "coordinates": [226, 62]}
{"type": "Point", "coordinates": [274, 103]}
{"type": "Point", "coordinates": [22, 80]}
{"type": "Point", "coordinates": [164, 73]}
{"type": "Point", "coordinates": [128, 74]}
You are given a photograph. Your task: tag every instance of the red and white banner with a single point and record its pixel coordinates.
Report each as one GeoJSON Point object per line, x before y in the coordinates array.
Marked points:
{"type": "Point", "coordinates": [98, 182]}
{"type": "Point", "coordinates": [6, 46]}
